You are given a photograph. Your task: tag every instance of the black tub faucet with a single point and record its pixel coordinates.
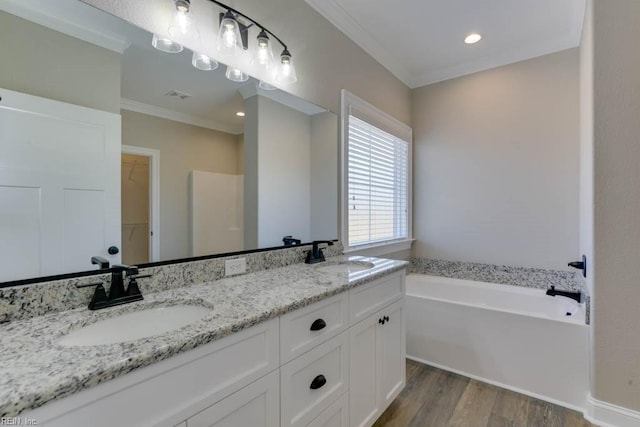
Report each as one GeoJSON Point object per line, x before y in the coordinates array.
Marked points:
{"type": "Point", "coordinates": [573, 295]}
{"type": "Point", "coordinates": [315, 254]}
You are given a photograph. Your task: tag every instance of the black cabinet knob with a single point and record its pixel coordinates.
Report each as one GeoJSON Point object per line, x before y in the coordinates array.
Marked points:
{"type": "Point", "coordinates": [386, 318]}
{"type": "Point", "coordinates": [381, 321]}
{"type": "Point", "coordinates": [318, 382]}
{"type": "Point", "coordinates": [318, 324]}
{"type": "Point", "coordinates": [113, 250]}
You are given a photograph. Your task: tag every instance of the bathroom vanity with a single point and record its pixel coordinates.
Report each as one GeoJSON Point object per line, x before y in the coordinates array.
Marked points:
{"type": "Point", "coordinates": [302, 345]}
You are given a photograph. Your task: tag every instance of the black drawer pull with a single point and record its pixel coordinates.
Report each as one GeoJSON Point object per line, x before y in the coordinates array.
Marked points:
{"type": "Point", "coordinates": [386, 318]}
{"type": "Point", "coordinates": [318, 325]}
{"type": "Point", "coordinates": [318, 382]}
{"type": "Point", "coordinates": [381, 321]}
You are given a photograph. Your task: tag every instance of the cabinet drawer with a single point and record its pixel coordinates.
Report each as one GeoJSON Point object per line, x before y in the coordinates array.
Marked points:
{"type": "Point", "coordinates": [336, 415]}
{"type": "Point", "coordinates": [367, 299]}
{"type": "Point", "coordinates": [303, 329]}
{"type": "Point", "coordinates": [255, 405]}
{"type": "Point", "coordinates": [310, 383]}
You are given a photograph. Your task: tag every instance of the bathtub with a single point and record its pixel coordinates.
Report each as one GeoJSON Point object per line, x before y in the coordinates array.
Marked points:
{"type": "Point", "coordinates": [514, 337]}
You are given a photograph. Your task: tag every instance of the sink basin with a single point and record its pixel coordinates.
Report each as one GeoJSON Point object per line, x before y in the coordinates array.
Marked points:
{"type": "Point", "coordinates": [346, 267]}
{"type": "Point", "coordinates": [135, 325]}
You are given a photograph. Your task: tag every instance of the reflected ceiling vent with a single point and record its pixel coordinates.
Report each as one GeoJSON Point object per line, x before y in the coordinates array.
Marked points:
{"type": "Point", "coordinates": [178, 94]}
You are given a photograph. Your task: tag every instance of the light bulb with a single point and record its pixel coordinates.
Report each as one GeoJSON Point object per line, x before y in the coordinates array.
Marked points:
{"type": "Point", "coordinates": [165, 44]}
{"type": "Point", "coordinates": [203, 62]}
{"type": "Point", "coordinates": [263, 55]}
{"type": "Point", "coordinates": [286, 72]}
{"type": "Point", "coordinates": [182, 24]}
{"type": "Point", "coordinates": [229, 40]}
{"type": "Point", "coordinates": [236, 75]}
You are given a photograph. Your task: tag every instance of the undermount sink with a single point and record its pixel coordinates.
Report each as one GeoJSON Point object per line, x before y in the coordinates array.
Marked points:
{"type": "Point", "coordinates": [346, 267]}
{"type": "Point", "coordinates": [135, 325]}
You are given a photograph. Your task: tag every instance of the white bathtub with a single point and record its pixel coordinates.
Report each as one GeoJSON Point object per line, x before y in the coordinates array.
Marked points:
{"type": "Point", "coordinates": [514, 337]}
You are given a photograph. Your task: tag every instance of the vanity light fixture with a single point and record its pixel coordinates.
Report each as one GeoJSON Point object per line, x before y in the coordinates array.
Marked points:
{"type": "Point", "coordinates": [233, 30]}
{"type": "Point", "coordinates": [472, 38]}
{"type": "Point", "coordinates": [232, 40]}
{"type": "Point", "coordinates": [240, 114]}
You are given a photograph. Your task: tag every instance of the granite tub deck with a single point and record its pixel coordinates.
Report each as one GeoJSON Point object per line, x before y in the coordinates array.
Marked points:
{"type": "Point", "coordinates": [34, 369]}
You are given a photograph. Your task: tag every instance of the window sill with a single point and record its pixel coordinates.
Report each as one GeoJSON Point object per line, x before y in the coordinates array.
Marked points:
{"type": "Point", "coordinates": [380, 249]}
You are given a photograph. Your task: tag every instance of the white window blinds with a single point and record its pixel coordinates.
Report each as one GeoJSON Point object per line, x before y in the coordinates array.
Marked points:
{"type": "Point", "coordinates": [378, 184]}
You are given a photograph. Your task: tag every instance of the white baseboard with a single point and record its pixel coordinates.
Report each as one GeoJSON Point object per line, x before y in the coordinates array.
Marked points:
{"type": "Point", "coordinates": [607, 415]}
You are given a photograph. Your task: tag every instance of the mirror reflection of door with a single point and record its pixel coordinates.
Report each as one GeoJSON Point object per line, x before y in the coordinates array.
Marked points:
{"type": "Point", "coordinates": [136, 230]}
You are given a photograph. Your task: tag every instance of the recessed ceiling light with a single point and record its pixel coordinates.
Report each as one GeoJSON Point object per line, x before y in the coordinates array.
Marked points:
{"type": "Point", "coordinates": [240, 114]}
{"type": "Point", "coordinates": [472, 38]}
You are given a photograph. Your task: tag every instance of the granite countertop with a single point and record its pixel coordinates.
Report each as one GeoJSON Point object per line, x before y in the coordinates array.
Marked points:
{"type": "Point", "coordinates": [34, 369]}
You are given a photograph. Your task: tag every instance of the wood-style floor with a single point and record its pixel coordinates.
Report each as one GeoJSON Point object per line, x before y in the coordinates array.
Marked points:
{"type": "Point", "coordinates": [437, 398]}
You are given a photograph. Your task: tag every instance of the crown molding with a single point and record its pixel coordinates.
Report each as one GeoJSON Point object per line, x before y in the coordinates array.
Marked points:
{"type": "Point", "coordinates": [51, 17]}
{"type": "Point", "coordinates": [505, 58]}
{"type": "Point", "coordinates": [337, 16]}
{"type": "Point", "coordinates": [164, 113]}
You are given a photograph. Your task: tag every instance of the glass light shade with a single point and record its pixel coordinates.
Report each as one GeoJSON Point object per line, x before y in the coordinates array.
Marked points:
{"type": "Point", "coordinates": [165, 44]}
{"type": "Point", "coordinates": [263, 54]}
{"type": "Point", "coordinates": [286, 71]}
{"type": "Point", "coordinates": [229, 40]}
{"type": "Point", "coordinates": [236, 75]}
{"type": "Point", "coordinates": [181, 24]}
{"type": "Point", "coordinates": [266, 86]}
{"type": "Point", "coordinates": [203, 62]}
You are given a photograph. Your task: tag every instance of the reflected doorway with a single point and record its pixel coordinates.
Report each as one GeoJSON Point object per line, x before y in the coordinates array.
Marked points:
{"type": "Point", "coordinates": [139, 206]}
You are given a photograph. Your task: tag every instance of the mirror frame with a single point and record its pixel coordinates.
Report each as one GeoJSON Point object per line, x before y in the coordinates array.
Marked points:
{"type": "Point", "coordinates": [35, 280]}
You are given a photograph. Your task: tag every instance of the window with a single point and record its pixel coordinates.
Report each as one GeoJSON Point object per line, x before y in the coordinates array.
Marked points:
{"type": "Point", "coordinates": [376, 179]}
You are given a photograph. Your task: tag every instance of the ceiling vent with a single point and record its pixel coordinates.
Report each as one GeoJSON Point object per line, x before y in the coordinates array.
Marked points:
{"type": "Point", "coordinates": [178, 94]}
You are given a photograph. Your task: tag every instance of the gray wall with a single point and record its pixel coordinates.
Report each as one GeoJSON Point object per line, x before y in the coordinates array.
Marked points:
{"type": "Point", "coordinates": [324, 176]}
{"type": "Point", "coordinates": [277, 156]}
{"type": "Point", "coordinates": [45, 63]}
{"type": "Point", "coordinates": [496, 165]}
{"type": "Point", "coordinates": [616, 94]}
{"type": "Point", "coordinates": [183, 148]}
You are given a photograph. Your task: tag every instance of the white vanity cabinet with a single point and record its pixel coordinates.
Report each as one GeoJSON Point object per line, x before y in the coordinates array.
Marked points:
{"type": "Point", "coordinates": [168, 392]}
{"type": "Point", "coordinates": [338, 362]}
{"type": "Point", "coordinates": [377, 354]}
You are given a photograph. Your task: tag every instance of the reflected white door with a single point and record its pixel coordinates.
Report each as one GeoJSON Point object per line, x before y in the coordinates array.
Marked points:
{"type": "Point", "coordinates": [59, 186]}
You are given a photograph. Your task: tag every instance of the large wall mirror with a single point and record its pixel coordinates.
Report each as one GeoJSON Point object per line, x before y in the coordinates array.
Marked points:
{"type": "Point", "coordinates": [139, 157]}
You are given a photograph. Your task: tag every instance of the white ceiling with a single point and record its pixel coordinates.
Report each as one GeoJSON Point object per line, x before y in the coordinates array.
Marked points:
{"type": "Point", "coordinates": [421, 41]}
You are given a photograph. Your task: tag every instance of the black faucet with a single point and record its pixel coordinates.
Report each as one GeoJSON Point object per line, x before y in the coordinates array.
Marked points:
{"type": "Point", "coordinates": [101, 262]}
{"type": "Point", "coordinates": [290, 241]}
{"type": "Point", "coordinates": [573, 295]}
{"type": "Point", "coordinates": [315, 254]}
{"type": "Point", "coordinates": [117, 293]}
